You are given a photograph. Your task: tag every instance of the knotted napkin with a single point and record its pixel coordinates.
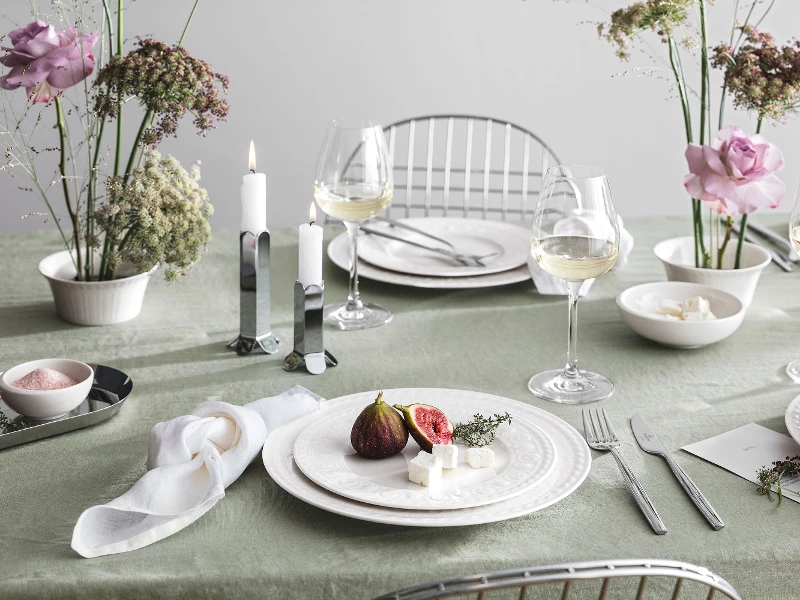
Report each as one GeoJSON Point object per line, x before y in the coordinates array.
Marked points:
{"type": "Point", "coordinates": [549, 285]}
{"type": "Point", "coordinates": [191, 460]}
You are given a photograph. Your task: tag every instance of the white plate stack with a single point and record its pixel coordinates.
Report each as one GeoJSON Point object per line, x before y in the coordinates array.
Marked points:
{"type": "Point", "coordinates": [392, 261]}
{"type": "Point", "coordinates": [539, 460]}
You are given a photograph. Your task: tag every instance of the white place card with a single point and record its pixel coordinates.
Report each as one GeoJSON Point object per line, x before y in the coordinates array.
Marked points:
{"type": "Point", "coordinates": [745, 450]}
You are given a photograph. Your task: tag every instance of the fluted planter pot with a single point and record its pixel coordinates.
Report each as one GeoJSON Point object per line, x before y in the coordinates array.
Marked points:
{"type": "Point", "coordinates": [94, 302]}
{"type": "Point", "coordinates": [677, 256]}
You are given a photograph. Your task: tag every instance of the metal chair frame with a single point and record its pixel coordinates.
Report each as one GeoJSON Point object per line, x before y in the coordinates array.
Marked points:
{"type": "Point", "coordinates": [567, 574]}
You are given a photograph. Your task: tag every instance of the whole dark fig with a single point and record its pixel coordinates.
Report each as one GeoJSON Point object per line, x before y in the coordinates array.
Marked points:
{"type": "Point", "coordinates": [379, 431]}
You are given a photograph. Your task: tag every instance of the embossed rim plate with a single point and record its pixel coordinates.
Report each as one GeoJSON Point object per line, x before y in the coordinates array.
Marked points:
{"type": "Point", "coordinates": [793, 419]}
{"type": "Point", "coordinates": [572, 466]}
{"type": "Point", "coordinates": [524, 456]}
{"type": "Point", "coordinates": [511, 243]}
{"type": "Point", "coordinates": [339, 253]}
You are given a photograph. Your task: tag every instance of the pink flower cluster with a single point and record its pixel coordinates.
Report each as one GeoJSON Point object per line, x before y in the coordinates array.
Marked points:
{"type": "Point", "coordinates": [45, 60]}
{"type": "Point", "coordinates": [734, 175]}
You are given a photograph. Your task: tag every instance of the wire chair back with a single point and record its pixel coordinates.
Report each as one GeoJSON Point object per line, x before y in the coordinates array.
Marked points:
{"type": "Point", "coordinates": [466, 166]}
{"type": "Point", "coordinates": [607, 574]}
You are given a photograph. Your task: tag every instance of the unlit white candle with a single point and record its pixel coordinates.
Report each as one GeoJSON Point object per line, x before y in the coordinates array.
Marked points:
{"type": "Point", "coordinates": [254, 198]}
{"type": "Point", "coordinates": [309, 271]}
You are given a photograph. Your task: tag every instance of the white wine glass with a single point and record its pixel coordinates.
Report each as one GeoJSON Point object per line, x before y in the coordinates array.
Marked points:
{"type": "Point", "coordinates": [793, 368]}
{"type": "Point", "coordinates": [575, 237]}
{"type": "Point", "coordinates": [354, 183]}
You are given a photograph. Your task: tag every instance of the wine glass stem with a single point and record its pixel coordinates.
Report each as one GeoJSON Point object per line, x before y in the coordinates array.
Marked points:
{"type": "Point", "coordinates": [353, 297]}
{"type": "Point", "coordinates": [571, 370]}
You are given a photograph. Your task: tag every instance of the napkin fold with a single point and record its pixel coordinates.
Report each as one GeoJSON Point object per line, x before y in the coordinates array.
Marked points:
{"type": "Point", "coordinates": [191, 460]}
{"type": "Point", "coordinates": [549, 285]}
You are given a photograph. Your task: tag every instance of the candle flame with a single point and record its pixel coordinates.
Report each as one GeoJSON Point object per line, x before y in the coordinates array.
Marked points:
{"type": "Point", "coordinates": [252, 166]}
{"type": "Point", "coordinates": [312, 213]}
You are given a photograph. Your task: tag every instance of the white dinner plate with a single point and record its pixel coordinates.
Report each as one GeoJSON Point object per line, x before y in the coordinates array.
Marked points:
{"type": "Point", "coordinates": [524, 456]}
{"type": "Point", "coordinates": [509, 243]}
{"type": "Point", "coordinates": [572, 465]}
{"type": "Point", "coordinates": [339, 253]}
{"type": "Point", "coordinates": [793, 419]}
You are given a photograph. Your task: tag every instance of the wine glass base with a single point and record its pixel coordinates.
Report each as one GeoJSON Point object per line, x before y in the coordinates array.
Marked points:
{"type": "Point", "coordinates": [365, 317]}
{"type": "Point", "coordinates": [554, 386]}
{"type": "Point", "coordinates": [793, 370]}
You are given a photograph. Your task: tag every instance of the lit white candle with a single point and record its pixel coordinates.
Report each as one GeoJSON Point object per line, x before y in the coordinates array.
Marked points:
{"type": "Point", "coordinates": [310, 258]}
{"type": "Point", "coordinates": [254, 197]}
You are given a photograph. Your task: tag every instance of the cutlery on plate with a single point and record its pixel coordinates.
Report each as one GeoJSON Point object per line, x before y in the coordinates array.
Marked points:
{"type": "Point", "coordinates": [400, 225]}
{"type": "Point", "coordinates": [468, 260]}
{"type": "Point", "coordinates": [600, 435]}
{"type": "Point", "coordinates": [778, 258]}
{"type": "Point", "coordinates": [776, 238]}
{"type": "Point", "coordinates": [651, 444]}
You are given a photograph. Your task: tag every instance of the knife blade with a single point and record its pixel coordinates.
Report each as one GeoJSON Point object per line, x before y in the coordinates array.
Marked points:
{"type": "Point", "coordinates": [649, 442]}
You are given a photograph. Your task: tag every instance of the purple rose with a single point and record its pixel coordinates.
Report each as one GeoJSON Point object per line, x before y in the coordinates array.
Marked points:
{"type": "Point", "coordinates": [45, 60]}
{"type": "Point", "coordinates": [735, 174]}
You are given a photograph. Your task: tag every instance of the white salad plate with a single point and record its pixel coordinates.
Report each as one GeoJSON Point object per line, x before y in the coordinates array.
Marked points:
{"type": "Point", "coordinates": [339, 253]}
{"type": "Point", "coordinates": [573, 461]}
{"type": "Point", "coordinates": [793, 419]}
{"type": "Point", "coordinates": [523, 456]}
{"type": "Point", "coordinates": [509, 243]}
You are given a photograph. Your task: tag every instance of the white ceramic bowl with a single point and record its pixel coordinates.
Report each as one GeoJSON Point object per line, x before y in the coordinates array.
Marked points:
{"type": "Point", "coordinates": [728, 309]}
{"type": "Point", "coordinates": [677, 256]}
{"type": "Point", "coordinates": [47, 404]}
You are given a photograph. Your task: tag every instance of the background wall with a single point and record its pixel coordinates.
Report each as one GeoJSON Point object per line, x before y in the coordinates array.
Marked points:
{"type": "Point", "coordinates": [295, 65]}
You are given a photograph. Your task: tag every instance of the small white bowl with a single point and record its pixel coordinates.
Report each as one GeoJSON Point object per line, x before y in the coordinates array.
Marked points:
{"type": "Point", "coordinates": [728, 309]}
{"type": "Point", "coordinates": [46, 404]}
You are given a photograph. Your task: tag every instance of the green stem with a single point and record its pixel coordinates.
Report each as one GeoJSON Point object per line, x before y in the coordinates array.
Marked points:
{"type": "Point", "coordinates": [703, 71]}
{"type": "Point", "coordinates": [134, 151]}
{"type": "Point", "coordinates": [189, 20]}
{"type": "Point", "coordinates": [740, 243]}
{"type": "Point", "coordinates": [727, 239]}
{"type": "Point", "coordinates": [62, 167]}
{"type": "Point", "coordinates": [107, 245]}
{"type": "Point", "coordinates": [107, 12]}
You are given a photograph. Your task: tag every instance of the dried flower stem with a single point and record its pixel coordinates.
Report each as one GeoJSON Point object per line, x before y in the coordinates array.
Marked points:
{"type": "Point", "coordinates": [62, 167]}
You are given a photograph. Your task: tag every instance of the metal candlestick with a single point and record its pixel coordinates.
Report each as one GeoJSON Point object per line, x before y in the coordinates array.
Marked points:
{"type": "Point", "coordinates": [254, 329]}
{"type": "Point", "coordinates": [308, 346]}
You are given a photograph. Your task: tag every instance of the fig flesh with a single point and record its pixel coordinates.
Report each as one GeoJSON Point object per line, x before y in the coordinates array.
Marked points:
{"type": "Point", "coordinates": [379, 432]}
{"type": "Point", "coordinates": [427, 424]}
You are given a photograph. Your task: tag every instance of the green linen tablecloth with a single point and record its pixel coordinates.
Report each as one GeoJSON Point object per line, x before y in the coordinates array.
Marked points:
{"type": "Point", "coordinates": [260, 542]}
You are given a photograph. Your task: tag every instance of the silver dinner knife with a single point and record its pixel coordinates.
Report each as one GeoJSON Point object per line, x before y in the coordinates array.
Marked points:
{"type": "Point", "coordinates": [651, 444]}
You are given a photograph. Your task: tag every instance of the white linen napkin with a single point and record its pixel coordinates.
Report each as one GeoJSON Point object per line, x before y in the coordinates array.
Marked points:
{"type": "Point", "coordinates": [549, 285]}
{"type": "Point", "coordinates": [191, 460]}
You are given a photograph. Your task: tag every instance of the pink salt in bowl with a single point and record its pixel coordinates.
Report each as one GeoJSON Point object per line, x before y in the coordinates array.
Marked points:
{"type": "Point", "coordinates": [44, 405]}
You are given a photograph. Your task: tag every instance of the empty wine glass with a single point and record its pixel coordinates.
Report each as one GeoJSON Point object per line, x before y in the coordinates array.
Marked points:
{"type": "Point", "coordinates": [793, 368]}
{"type": "Point", "coordinates": [354, 183]}
{"type": "Point", "coordinates": [575, 236]}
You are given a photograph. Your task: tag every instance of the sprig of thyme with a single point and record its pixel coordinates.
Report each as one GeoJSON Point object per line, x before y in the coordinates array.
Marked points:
{"type": "Point", "coordinates": [480, 431]}
{"type": "Point", "coordinates": [772, 478]}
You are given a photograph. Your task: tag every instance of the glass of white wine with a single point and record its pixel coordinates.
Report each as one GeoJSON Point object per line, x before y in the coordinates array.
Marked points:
{"type": "Point", "coordinates": [575, 236]}
{"type": "Point", "coordinates": [354, 183]}
{"type": "Point", "coordinates": [793, 368]}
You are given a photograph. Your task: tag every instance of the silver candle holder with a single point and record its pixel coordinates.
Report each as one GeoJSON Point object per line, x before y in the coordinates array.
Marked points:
{"type": "Point", "coordinates": [309, 349]}
{"type": "Point", "coordinates": [254, 305]}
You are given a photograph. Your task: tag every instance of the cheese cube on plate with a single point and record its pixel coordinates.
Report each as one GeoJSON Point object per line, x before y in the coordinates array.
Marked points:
{"type": "Point", "coordinates": [693, 316]}
{"type": "Point", "coordinates": [479, 458]}
{"type": "Point", "coordinates": [448, 454]}
{"type": "Point", "coordinates": [697, 304]}
{"type": "Point", "coordinates": [671, 307]}
{"type": "Point", "coordinates": [425, 469]}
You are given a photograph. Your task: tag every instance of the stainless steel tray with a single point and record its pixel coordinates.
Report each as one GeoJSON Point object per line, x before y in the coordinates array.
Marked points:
{"type": "Point", "coordinates": [109, 390]}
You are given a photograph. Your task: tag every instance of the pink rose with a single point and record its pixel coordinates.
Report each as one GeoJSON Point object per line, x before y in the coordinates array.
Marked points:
{"type": "Point", "coordinates": [734, 175]}
{"type": "Point", "coordinates": [45, 60]}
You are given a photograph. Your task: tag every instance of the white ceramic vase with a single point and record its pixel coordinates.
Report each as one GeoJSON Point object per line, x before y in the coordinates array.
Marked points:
{"type": "Point", "coordinates": [93, 302]}
{"type": "Point", "coordinates": [677, 256]}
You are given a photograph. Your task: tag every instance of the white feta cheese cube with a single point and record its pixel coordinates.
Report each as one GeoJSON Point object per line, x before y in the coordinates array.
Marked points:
{"type": "Point", "coordinates": [693, 316]}
{"type": "Point", "coordinates": [669, 306]}
{"type": "Point", "coordinates": [696, 304]}
{"type": "Point", "coordinates": [709, 316]}
{"type": "Point", "coordinates": [669, 317]}
{"type": "Point", "coordinates": [479, 458]}
{"type": "Point", "coordinates": [448, 454]}
{"type": "Point", "coordinates": [425, 469]}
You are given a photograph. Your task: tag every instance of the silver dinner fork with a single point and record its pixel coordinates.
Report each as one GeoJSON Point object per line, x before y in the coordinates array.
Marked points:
{"type": "Point", "coordinates": [467, 260]}
{"type": "Point", "coordinates": [600, 435]}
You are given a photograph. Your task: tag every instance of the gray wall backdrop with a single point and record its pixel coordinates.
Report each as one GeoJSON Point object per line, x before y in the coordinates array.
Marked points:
{"type": "Point", "coordinates": [295, 65]}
